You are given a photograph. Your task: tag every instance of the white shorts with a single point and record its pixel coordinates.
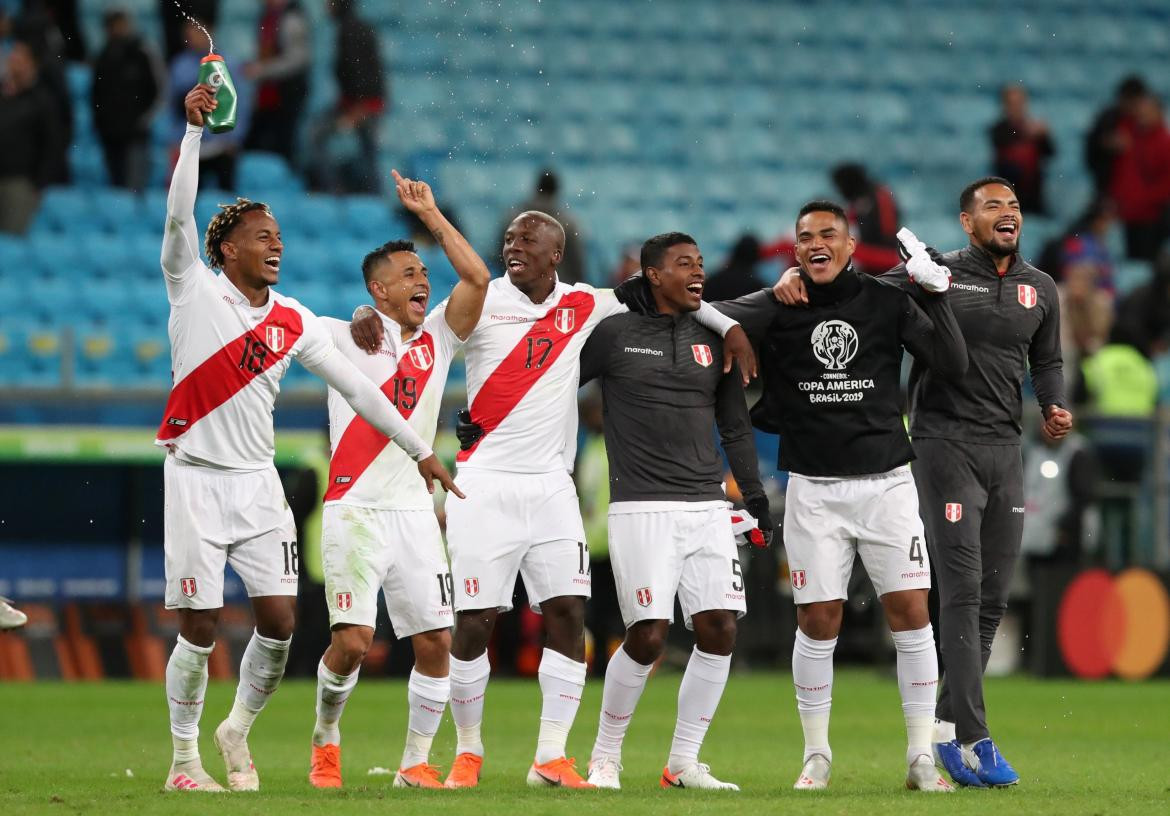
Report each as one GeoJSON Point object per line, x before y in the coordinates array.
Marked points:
{"type": "Point", "coordinates": [214, 517]}
{"type": "Point", "coordinates": [398, 551]}
{"type": "Point", "coordinates": [827, 522]}
{"type": "Point", "coordinates": [526, 523]}
{"type": "Point", "coordinates": [660, 549]}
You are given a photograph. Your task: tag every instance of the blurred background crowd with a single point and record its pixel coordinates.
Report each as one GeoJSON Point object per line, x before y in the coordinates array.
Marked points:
{"type": "Point", "coordinates": [623, 118]}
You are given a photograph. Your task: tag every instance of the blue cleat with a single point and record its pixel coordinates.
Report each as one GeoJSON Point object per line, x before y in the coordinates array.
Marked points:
{"type": "Point", "coordinates": [990, 766]}
{"type": "Point", "coordinates": [950, 756]}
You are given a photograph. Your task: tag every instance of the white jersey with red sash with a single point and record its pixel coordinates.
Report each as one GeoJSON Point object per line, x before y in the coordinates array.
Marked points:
{"type": "Point", "coordinates": [365, 470]}
{"type": "Point", "coordinates": [227, 359]}
{"type": "Point", "coordinates": [523, 369]}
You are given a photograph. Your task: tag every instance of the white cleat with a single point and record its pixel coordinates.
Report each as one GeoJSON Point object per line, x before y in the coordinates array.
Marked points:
{"type": "Point", "coordinates": [923, 775]}
{"type": "Point", "coordinates": [233, 747]}
{"type": "Point", "coordinates": [10, 616]}
{"type": "Point", "coordinates": [191, 779]}
{"type": "Point", "coordinates": [815, 774]}
{"type": "Point", "coordinates": [606, 773]}
{"type": "Point", "coordinates": [696, 776]}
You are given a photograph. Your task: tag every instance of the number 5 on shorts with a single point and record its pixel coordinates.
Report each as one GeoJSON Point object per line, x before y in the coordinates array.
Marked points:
{"type": "Point", "coordinates": [916, 550]}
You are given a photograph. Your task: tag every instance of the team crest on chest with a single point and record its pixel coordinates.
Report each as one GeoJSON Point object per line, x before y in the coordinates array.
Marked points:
{"type": "Point", "coordinates": [1026, 295]}
{"type": "Point", "coordinates": [420, 356]}
{"type": "Point", "coordinates": [834, 343]}
{"type": "Point", "coordinates": [344, 601]}
{"type": "Point", "coordinates": [565, 320]}
{"type": "Point", "coordinates": [798, 579]}
{"type": "Point", "coordinates": [702, 354]}
{"type": "Point", "coordinates": [188, 587]}
{"type": "Point", "coordinates": [954, 512]}
{"type": "Point", "coordinates": [644, 596]}
{"type": "Point", "coordinates": [471, 586]}
{"type": "Point", "coordinates": [274, 337]}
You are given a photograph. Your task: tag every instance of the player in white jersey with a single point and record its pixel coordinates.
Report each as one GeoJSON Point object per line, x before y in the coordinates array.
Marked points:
{"type": "Point", "coordinates": [379, 529]}
{"type": "Point", "coordinates": [232, 338]}
{"type": "Point", "coordinates": [523, 370]}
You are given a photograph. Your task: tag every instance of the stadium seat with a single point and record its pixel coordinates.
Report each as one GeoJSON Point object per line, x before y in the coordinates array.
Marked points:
{"type": "Point", "coordinates": [260, 174]}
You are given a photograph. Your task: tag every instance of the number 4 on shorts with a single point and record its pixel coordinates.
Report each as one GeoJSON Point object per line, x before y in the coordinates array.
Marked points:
{"type": "Point", "coordinates": [916, 550]}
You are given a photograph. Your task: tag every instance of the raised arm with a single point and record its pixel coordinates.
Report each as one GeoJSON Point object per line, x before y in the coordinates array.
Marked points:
{"type": "Point", "coordinates": [928, 327]}
{"type": "Point", "coordinates": [180, 249]}
{"type": "Point", "coordinates": [465, 304]}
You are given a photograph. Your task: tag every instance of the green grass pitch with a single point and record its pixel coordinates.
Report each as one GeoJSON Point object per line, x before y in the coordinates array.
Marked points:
{"type": "Point", "coordinates": [1080, 748]}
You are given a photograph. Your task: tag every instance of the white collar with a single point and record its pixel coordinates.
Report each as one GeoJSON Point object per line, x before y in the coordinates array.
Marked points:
{"type": "Point", "coordinates": [509, 287]}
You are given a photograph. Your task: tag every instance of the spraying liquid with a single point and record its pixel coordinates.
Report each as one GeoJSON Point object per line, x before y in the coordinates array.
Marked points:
{"type": "Point", "coordinates": [199, 25]}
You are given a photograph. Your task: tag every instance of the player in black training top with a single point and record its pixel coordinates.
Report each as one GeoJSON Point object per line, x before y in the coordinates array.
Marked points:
{"type": "Point", "coordinates": [969, 470]}
{"type": "Point", "coordinates": [831, 389]}
{"type": "Point", "coordinates": [670, 527]}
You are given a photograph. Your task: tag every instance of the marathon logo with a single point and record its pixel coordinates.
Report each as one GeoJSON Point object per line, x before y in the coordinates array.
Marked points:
{"type": "Point", "coordinates": [971, 287]}
{"type": "Point", "coordinates": [343, 480]}
{"type": "Point", "coordinates": [182, 423]}
{"type": "Point", "coordinates": [650, 351]}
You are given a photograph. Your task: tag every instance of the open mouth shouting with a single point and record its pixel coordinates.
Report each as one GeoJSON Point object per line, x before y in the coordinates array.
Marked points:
{"type": "Point", "coordinates": [418, 302]}
{"type": "Point", "coordinates": [819, 262]}
{"type": "Point", "coordinates": [1007, 228]}
{"type": "Point", "coordinates": [695, 288]}
{"type": "Point", "coordinates": [272, 264]}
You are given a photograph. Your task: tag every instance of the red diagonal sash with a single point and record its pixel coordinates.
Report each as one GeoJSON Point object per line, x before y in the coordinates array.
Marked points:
{"type": "Point", "coordinates": [527, 363]}
{"type": "Point", "coordinates": [361, 442]}
{"type": "Point", "coordinates": [225, 373]}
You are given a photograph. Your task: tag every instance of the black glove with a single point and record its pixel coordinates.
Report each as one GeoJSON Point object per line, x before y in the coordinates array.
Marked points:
{"type": "Point", "coordinates": [467, 431]}
{"type": "Point", "coordinates": [755, 525]}
{"type": "Point", "coordinates": [634, 294]}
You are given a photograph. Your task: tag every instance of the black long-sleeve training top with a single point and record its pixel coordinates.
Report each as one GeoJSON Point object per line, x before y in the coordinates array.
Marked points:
{"type": "Point", "coordinates": [664, 390]}
{"type": "Point", "coordinates": [831, 370]}
{"type": "Point", "coordinates": [1011, 324]}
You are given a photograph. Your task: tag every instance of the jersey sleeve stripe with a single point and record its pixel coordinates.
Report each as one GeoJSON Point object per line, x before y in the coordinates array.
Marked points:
{"type": "Point", "coordinates": [361, 443]}
{"type": "Point", "coordinates": [525, 364]}
{"type": "Point", "coordinates": [225, 373]}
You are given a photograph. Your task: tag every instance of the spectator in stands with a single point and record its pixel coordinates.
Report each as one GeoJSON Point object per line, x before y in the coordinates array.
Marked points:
{"type": "Point", "coordinates": [1022, 148]}
{"type": "Point", "coordinates": [35, 26]}
{"type": "Point", "coordinates": [127, 88]}
{"type": "Point", "coordinates": [1085, 241]}
{"type": "Point", "coordinates": [218, 152]}
{"type": "Point", "coordinates": [628, 265]}
{"type": "Point", "coordinates": [1141, 179]}
{"type": "Point", "coordinates": [546, 199]}
{"type": "Point", "coordinates": [282, 76]}
{"type": "Point", "coordinates": [873, 221]}
{"type": "Point", "coordinates": [30, 139]}
{"type": "Point", "coordinates": [1144, 313]}
{"type": "Point", "coordinates": [344, 154]}
{"type": "Point", "coordinates": [1104, 142]}
{"type": "Point", "coordinates": [739, 274]}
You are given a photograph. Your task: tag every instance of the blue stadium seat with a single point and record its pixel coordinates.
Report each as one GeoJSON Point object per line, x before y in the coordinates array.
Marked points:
{"type": "Point", "coordinates": [260, 174]}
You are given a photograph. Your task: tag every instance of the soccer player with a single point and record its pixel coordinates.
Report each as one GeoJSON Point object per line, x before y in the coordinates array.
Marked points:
{"type": "Point", "coordinates": [969, 471]}
{"type": "Point", "coordinates": [232, 339]}
{"type": "Point", "coordinates": [831, 389]}
{"type": "Point", "coordinates": [523, 368]}
{"type": "Point", "coordinates": [379, 527]}
{"type": "Point", "coordinates": [670, 529]}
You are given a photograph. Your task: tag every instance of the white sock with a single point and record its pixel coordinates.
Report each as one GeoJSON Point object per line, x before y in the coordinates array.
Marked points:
{"type": "Point", "coordinates": [625, 678]}
{"type": "Point", "coordinates": [186, 687]}
{"type": "Point", "coordinates": [917, 682]}
{"type": "Point", "coordinates": [812, 674]}
{"type": "Point", "coordinates": [260, 673]}
{"type": "Point", "coordinates": [944, 731]}
{"type": "Point", "coordinates": [427, 697]}
{"type": "Point", "coordinates": [698, 697]}
{"type": "Point", "coordinates": [469, 679]}
{"type": "Point", "coordinates": [562, 680]}
{"type": "Point", "coordinates": [332, 691]}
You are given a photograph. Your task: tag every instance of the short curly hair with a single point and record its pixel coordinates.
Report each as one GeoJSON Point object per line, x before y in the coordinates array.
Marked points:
{"type": "Point", "coordinates": [224, 221]}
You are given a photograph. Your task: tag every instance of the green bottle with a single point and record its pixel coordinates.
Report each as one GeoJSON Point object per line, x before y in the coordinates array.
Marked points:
{"type": "Point", "coordinates": [213, 71]}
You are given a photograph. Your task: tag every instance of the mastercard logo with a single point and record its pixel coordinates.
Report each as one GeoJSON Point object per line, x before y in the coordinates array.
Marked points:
{"type": "Point", "coordinates": [1116, 625]}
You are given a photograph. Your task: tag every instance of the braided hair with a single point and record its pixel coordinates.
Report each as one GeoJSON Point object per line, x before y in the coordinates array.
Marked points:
{"type": "Point", "coordinates": [222, 224]}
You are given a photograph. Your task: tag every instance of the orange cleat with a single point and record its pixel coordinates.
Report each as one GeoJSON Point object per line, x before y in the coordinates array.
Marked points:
{"type": "Point", "coordinates": [464, 771]}
{"type": "Point", "coordinates": [423, 775]}
{"type": "Point", "coordinates": [560, 773]}
{"type": "Point", "coordinates": [325, 771]}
